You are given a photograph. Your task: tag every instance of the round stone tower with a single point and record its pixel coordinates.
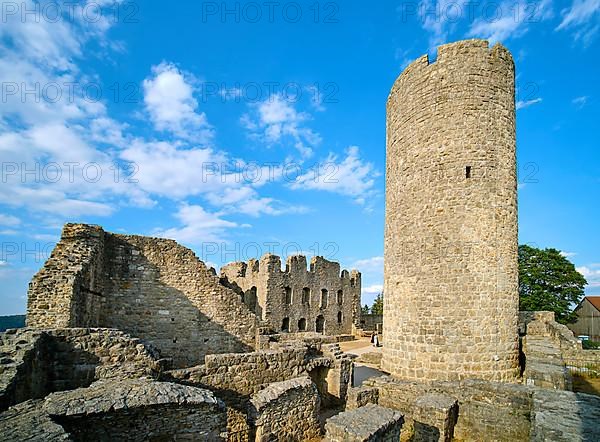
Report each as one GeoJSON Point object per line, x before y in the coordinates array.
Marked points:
{"type": "Point", "coordinates": [450, 289]}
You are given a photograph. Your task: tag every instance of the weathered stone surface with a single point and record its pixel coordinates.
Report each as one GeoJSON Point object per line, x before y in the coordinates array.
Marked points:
{"type": "Point", "coordinates": [287, 410]}
{"type": "Point", "coordinates": [544, 365]}
{"type": "Point", "coordinates": [235, 377]}
{"type": "Point", "coordinates": [489, 410]}
{"type": "Point", "coordinates": [361, 396]}
{"type": "Point", "coordinates": [294, 299]}
{"type": "Point", "coordinates": [108, 410]}
{"type": "Point", "coordinates": [27, 422]}
{"type": "Point", "coordinates": [37, 362]}
{"type": "Point", "coordinates": [434, 417]}
{"type": "Point", "coordinates": [247, 373]}
{"type": "Point", "coordinates": [564, 416]}
{"type": "Point", "coordinates": [450, 268]}
{"type": "Point", "coordinates": [368, 423]}
{"type": "Point", "coordinates": [152, 288]}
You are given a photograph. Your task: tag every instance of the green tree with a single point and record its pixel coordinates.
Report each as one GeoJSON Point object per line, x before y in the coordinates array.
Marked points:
{"type": "Point", "coordinates": [365, 309]}
{"type": "Point", "coordinates": [377, 307]}
{"type": "Point", "coordinates": [549, 281]}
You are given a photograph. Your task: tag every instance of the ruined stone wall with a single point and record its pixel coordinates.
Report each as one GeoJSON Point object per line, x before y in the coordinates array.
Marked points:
{"type": "Point", "coordinates": [235, 377]}
{"type": "Point", "coordinates": [132, 410]}
{"type": "Point", "coordinates": [67, 291]}
{"type": "Point", "coordinates": [247, 373]}
{"type": "Point", "coordinates": [451, 295]}
{"type": "Point", "coordinates": [486, 410]}
{"type": "Point", "coordinates": [297, 293]}
{"type": "Point", "coordinates": [287, 410]}
{"type": "Point", "coordinates": [36, 363]}
{"type": "Point", "coordinates": [151, 288]}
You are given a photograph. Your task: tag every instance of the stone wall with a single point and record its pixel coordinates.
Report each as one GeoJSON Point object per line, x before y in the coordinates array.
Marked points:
{"type": "Point", "coordinates": [292, 299]}
{"type": "Point", "coordinates": [564, 416]}
{"type": "Point", "coordinates": [151, 288]}
{"type": "Point", "coordinates": [236, 377]}
{"type": "Point", "coordinates": [36, 362]}
{"type": "Point", "coordinates": [67, 291]}
{"type": "Point", "coordinates": [287, 410]}
{"type": "Point", "coordinates": [132, 410]}
{"type": "Point", "coordinates": [370, 423]}
{"type": "Point", "coordinates": [246, 373]}
{"type": "Point", "coordinates": [450, 271]}
{"type": "Point", "coordinates": [371, 322]}
{"type": "Point", "coordinates": [500, 412]}
{"type": "Point", "coordinates": [543, 324]}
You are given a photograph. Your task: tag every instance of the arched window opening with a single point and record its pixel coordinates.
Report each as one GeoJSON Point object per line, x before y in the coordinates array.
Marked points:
{"type": "Point", "coordinates": [324, 295]}
{"type": "Point", "coordinates": [306, 296]}
{"type": "Point", "coordinates": [340, 317]}
{"type": "Point", "coordinates": [320, 324]}
{"type": "Point", "coordinates": [285, 325]}
{"type": "Point", "coordinates": [288, 296]}
{"type": "Point", "coordinates": [302, 324]}
{"type": "Point", "coordinates": [340, 297]}
{"type": "Point", "coordinates": [250, 299]}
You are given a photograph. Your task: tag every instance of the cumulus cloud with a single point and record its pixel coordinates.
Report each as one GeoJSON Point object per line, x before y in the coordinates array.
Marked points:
{"type": "Point", "coordinates": [349, 176]}
{"type": "Point", "coordinates": [591, 273]}
{"type": "Point", "coordinates": [169, 100]}
{"type": "Point", "coordinates": [276, 120]}
{"type": "Point", "coordinates": [198, 226]}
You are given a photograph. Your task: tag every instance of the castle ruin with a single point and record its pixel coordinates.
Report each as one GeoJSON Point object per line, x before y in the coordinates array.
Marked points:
{"type": "Point", "coordinates": [135, 338]}
{"type": "Point", "coordinates": [320, 299]}
{"type": "Point", "coordinates": [450, 278]}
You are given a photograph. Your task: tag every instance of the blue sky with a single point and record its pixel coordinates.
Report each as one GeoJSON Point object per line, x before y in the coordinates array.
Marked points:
{"type": "Point", "coordinates": [240, 128]}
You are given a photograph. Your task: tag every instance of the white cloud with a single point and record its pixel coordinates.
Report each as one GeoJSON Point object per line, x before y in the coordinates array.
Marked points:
{"type": "Point", "coordinates": [523, 104]}
{"type": "Point", "coordinates": [496, 22]}
{"type": "Point", "coordinates": [513, 20]}
{"type": "Point", "coordinates": [316, 98]}
{"type": "Point", "coordinates": [169, 100]}
{"type": "Point", "coordinates": [374, 264]}
{"type": "Point", "coordinates": [436, 19]}
{"type": "Point", "coordinates": [3, 263]}
{"type": "Point", "coordinates": [568, 254]}
{"type": "Point", "coordinates": [172, 170]}
{"type": "Point", "coordinates": [581, 18]}
{"type": "Point", "coordinates": [580, 102]}
{"type": "Point", "coordinates": [371, 291]}
{"type": "Point", "coordinates": [233, 93]}
{"type": "Point", "coordinates": [372, 277]}
{"type": "Point", "coordinates": [9, 220]}
{"type": "Point", "coordinates": [350, 176]}
{"type": "Point", "coordinates": [276, 120]}
{"type": "Point", "coordinates": [591, 274]}
{"type": "Point", "coordinates": [198, 226]}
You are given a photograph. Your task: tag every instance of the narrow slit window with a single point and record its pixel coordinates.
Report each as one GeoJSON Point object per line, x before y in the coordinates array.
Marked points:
{"type": "Point", "coordinates": [468, 171]}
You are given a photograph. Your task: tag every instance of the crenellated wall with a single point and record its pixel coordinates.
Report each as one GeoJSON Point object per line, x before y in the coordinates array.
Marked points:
{"type": "Point", "coordinates": [296, 293]}
{"type": "Point", "coordinates": [151, 288]}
